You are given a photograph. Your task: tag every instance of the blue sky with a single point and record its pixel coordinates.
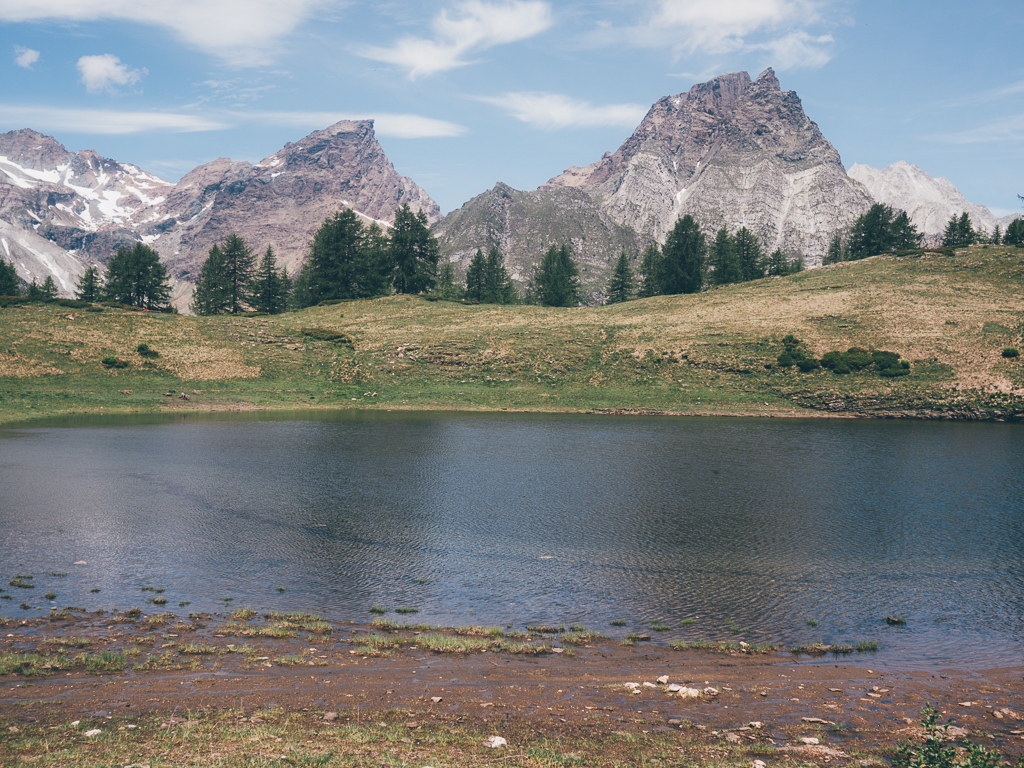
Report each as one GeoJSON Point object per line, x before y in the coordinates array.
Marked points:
{"type": "Point", "coordinates": [471, 92]}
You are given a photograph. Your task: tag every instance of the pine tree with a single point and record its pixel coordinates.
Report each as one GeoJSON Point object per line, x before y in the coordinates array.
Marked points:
{"type": "Point", "coordinates": [476, 277]}
{"type": "Point", "coordinates": [620, 287]}
{"type": "Point", "coordinates": [997, 236]}
{"type": "Point", "coordinates": [446, 287]}
{"type": "Point", "coordinates": [498, 286]}
{"type": "Point", "coordinates": [268, 291]}
{"type": "Point", "coordinates": [964, 231]}
{"type": "Point", "coordinates": [414, 252]}
{"type": "Point", "coordinates": [871, 233]}
{"type": "Point", "coordinates": [748, 249]}
{"type": "Point", "coordinates": [1014, 233]}
{"type": "Point", "coordinates": [725, 259]}
{"type": "Point", "coordinates": [650, 273]}
{"type": "Point", "coordinates": [211, 289]}
{"type": "Point", "coordinates": [373, 275]}
{"type": "Point", "coordinates": [136, 277]}
{"type": "Point", "coordinates": [683, 257]}
{"type": "Point", "coordinates": [238, 269]}
{"type": "Point", "coordinates": [48, 289]}
{"type": "Point", "coordinates": [904, 235]}
{"type": "Point", "coordinates": [834, 254]}
{"type": "Point", "coordinates": [8, 279]}
{"type": "Point", "coordinates": [88, 288]}
{"type": "Point", "coordinates": [336, 260]}
{"type": "Point", "coordinates": [557, 279]}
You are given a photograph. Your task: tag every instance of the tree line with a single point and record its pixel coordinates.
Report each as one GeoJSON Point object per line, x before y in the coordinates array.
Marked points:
{"type": "Point", "coordinates": [883, 230]}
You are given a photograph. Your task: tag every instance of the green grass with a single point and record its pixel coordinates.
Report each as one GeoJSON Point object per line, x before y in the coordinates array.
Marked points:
{"type": "Point", "coordinates": [949, 315]}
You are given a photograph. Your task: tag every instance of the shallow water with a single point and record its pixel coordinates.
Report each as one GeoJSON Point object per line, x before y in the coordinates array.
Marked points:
{"type": "Point", "coordinates": [751, 528]}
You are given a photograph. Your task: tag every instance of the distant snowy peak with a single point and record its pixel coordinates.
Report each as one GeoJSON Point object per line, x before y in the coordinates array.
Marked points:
{"type": "Point", "coordinates": [929, 201]}
{"type": "Point", "coordinates": [96, 193]}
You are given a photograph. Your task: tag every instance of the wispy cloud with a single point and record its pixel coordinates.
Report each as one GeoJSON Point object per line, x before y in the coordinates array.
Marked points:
{"type": "Point", "coordinates": [721, 27]}
{"type": "Point", "coordinates": [105, 72]}
{"type": "Point", "coordinates": [25, 57]}
{"type": "Point", "coordinates": [109, 121]}
{"type": "Point", "coordinates": [1003, 129]}
{"type": "Point", "coordinates": [552, 111]}
{"type": "Point", "coordinates": [396, 126]}
{"type": "Point", "coordinates": [474, 26]}
{"type": "Point", "coordinates": [104, 121]}
{"type": "Point", "coordinates": [241, 32]}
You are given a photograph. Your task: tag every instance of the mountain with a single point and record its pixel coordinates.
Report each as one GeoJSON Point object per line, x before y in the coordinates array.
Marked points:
{"type": "Point", "coordinates": [929, 201]}
{"type": "Point", "coordinates": [523, 225]}
{"type": "Point", "coordinates": [732, 152]}
{"type": "Point", "coordinates": [62, 211]}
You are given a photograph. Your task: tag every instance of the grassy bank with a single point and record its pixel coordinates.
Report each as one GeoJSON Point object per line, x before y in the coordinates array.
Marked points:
{"type": "Point", "coordinates": [950, 315]}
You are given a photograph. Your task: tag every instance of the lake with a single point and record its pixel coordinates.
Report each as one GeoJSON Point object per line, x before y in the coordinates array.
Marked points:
{"type": "Point", "coordinates": [786, 531]}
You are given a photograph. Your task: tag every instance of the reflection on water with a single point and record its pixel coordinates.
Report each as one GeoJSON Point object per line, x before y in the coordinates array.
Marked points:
{"type": "Point", "coordinates": [749, 527]}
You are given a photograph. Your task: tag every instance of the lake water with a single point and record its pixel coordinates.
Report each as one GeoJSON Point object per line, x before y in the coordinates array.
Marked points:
{"type": "Point", "coordinates": [751, 528]}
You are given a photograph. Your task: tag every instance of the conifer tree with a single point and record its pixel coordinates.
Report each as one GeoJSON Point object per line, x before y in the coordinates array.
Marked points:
{"type": "Point", "coordinates": [446, 287]}
{"type": "Point", "coordinates": [557, 279]}
{"type": "Point", "coordinates": [476, 277]}
{"type": "Point", "coordinates": [49, 288]}
{"type": "Point", "coordinates": [748, 249]}
{"type": "Point", "coordinates": [1014, 233]}
{"type": "Point", "coordinates": [997, 236]}
{"type": "Point", "coordinates": [650, 272]}
{"type": "Point", "coordinates": [682, 258]}
{"type": "Point", "coordinates": [904, 234]}
{"type": "Point", "coordinates": [725, 259]}
{"type": "Point", "coordinates": [269, 293]}
{"type": "Point", "coordinates": [413, 253]}
{"type": "Point", "coordinates": [964, 231]}
{"type": "Point", "coordinates": [238, 269]}
{"type": "Point", "coordinates": [135, 276]}
{"type": "Point", "coordinates": [211, 288]}
{"type": "Point", "coordinates": [8, 279]}
{"type": "Point", "coordinates": [834, 254]}
{"type": "Point", "coordinates": [88, 288]}
{"type": "Point", "coordinates": [620, 287]}
{"type": "Point", "coordinates": [498, 286]}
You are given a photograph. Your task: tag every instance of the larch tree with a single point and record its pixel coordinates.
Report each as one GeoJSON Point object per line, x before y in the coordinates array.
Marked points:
{"type": "Point", "coordinates": [414, 252]}
{"type": "Point", "coordinates": [682, 258]}
{"type": "Point", "coordinates": [621, 286]}
{"type": "Point", "coordinates": [135, 276]}
{"type": "Point", "coordinates": [88, 288]}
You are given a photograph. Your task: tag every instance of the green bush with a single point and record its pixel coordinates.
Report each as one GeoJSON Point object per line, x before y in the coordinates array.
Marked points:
{"type": "Point", "coordinates": [325, 334]}
{"type": "Point", "coordinates": [885, 359]}
{"type": "Point", "coordinates": [112, 362]}
{"type": "Point", "coordinates": [144, 350]}
{"type": "Point", "coordinates": [1011, 352]}
{"type": "Point", "coordinates": [935, 752]}
{"type": "Point", "coordinates": [858, 358]}
{"type": "Point", "coordinates": [807, 364]}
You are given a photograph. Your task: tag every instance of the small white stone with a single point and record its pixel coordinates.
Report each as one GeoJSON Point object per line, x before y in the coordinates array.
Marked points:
{"type": "Point", "coordinates": [495, 742]}
{"type": "Point", "coordinates": [93, 732]}
{"type": "Point", "coordinates": [663, 679]}
{"type": "Point", "coordinates": [675, 688]}
{"type": "Point", "coordinates": [809, 740]}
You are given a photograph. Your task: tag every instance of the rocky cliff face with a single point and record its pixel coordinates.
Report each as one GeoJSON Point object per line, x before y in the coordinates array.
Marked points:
{"type": "Point", "coordinates": [732, 152]}
{"type": "Point", "coordinates": [523, 225]}
{"type": "Point", "coordinates": [62, 211]}
{"type": "Point", "coordinates": [929, 201]}
{"type": "Point", "coordinates": [282, 200]}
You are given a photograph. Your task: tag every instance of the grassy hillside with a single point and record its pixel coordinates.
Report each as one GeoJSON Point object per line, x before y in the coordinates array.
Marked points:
{"type": "Point", "coordinates": [950, 315]}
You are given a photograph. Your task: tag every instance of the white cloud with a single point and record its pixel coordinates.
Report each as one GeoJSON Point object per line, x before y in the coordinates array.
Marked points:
{"type": "Point", "coordinates": [554, 110]}
{"type": "Point", "coordinates": [475, 26]}
{"type": "Point", "coordinates": [723, 27]}
{"type": "Point", "coordinates": [25, 57]}
{"type": "Point", "coordinates": [798, 49]}
{"type": "Point", "coordinates": [104, 121]}
{"type": "Point", "coordinates": [385, 124]}
{"type": "Point", "coordinates": [105, 72]}
{"type": "Point", "coordinates": [241, 32]}
{"type": "Point", "coordinates": [1004, 129]}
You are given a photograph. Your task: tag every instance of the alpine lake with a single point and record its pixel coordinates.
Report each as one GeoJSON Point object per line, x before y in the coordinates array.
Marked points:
{"type": "Point", "coordinates": [906, 534]}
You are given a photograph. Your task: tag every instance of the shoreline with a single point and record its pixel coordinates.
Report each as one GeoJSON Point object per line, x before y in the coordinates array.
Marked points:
{"type": "Point", "coordinates": [309, 687]}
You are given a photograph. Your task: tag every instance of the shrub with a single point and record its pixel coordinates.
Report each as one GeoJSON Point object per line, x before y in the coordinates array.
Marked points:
{"type": "Point", "coordinates": [858, 358]}
{"type": "Point", "coordinates": [1011, 352]}
{"type": "Point", "coordinates": [935, 752]}
{"type": "Point", "coordinates": [144, 350]}
{"type": "Point", "coordinates": [807, 364]}
{"type": "Point", "coordinates": [325, 334]}
{"type": "Point", "coordinates": [112, 362]}
{"type": "Point", "coordinates": [885, 359]}
{"type": "Point", "coordinates": [835, 362]}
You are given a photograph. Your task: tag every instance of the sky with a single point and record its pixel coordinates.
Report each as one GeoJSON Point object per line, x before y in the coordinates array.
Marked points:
{"type": "Point", "coordinates": [468, 93]}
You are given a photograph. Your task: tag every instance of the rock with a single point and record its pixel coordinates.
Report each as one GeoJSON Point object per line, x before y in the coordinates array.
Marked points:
{"type": "Point", "coordinates": [495, 742]}
{"type": "Point", "coordinates": [436, 699]}
{"type": "Point", "coordinates": [755, 724]}
{"type": "Point", "coordinates": [817, 720]}
{"type": "Point", "coordinates": [675, 721]}
{"type": "Point", "coordinates": [673, 688]}
{"type": "Point", "coordinates": [412, 724]}
{"type": "Point", "coordinates": [809, 740]}
{"type": "Point", "coordinates": [93, 732]}
{"type": "Point", "coordinates": [330, 717]}
{"type": "Point", "coordinates": [631, 685]}
{"type": "Point", "coordinates": [14, 729]}
{"type": "Point", "coordinates": [558, 650]}
{"type": "Point", "coordinates": [709, 691]}
{"type": "Point", "coordinates": [759, 764]}
{"type": "Point", "coordinates": [953, 732]}
{"type": "Point", "coordinates": [663, 680]}
{"type": "Point", "coordinates": [74, 723]}
{"type": "Point", "coordinates": [689, 693]}
{"type": "Point", "coordinates": [650, 685]}
{"type": "Point", "coordinates": [732, 738]}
